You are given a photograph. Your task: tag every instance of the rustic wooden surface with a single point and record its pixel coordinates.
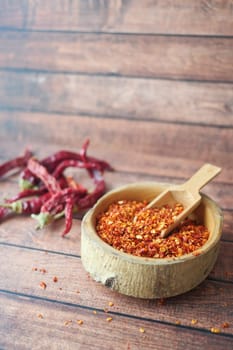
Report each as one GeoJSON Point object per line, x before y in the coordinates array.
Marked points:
{"type": "Point", "coordinates": [151, 84]}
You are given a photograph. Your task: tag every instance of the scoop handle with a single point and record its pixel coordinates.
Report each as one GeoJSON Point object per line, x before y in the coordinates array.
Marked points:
{"type": "Point", "coordinates": [206, 173]}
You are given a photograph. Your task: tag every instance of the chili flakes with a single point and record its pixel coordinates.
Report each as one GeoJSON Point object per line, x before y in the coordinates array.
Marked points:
{"type": "Point", "coordinates": [43, 285]}
{"type": "Point", "coordinates": [131, 228]}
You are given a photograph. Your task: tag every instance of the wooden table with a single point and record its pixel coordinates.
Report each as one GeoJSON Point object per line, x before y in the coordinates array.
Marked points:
{"type": "Point", "coordinates": [150, 83]}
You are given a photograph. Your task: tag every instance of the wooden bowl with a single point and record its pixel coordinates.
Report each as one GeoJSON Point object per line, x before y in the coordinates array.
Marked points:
{"type": "Point", "coordinates": [148, 277]}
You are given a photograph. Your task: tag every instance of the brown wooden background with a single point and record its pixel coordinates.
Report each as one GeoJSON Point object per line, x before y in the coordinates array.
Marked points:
{"type": "Point", "coordinates": [151, 84]}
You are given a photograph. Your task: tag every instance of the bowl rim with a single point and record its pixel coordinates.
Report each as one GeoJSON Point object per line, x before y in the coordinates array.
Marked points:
{"type": "Point", "coordinates": [211, 242]}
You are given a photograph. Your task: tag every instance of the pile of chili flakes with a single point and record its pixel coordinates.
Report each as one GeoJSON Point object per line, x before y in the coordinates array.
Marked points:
{"type": "Point", "coordinates": [131, 228]}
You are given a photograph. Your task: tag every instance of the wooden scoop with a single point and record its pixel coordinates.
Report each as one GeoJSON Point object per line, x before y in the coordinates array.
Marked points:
{"type": "Point", "coordinates": [186, 194]}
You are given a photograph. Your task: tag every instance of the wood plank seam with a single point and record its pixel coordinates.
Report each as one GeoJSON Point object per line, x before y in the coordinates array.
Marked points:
{"type": "Point", "coordinates": [25, 70]}
{"type": "Point", "coordinates": [30, 30]}
{"type": "Point", "coordinates": [114, 313]}
{"type": "Point", "coordinates": [78, 257]}
{"type": "Point", "coordinates": [33, 110]}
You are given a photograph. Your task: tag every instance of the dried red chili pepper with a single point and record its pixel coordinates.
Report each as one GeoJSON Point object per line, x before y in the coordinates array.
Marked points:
{"type": "Point", "coordinates": [15, 163]}
{"type": "Point", "coordinates": [31, 206]}
{"type": "Point", "coordinates": [71, 163]}
{"type": "Point", "coordinates": [28, 180]}
{"type": "Point", "coordinates": [30, 192]}
{"type": "Point", "coordinates": [54, 207]}
{"type": "Point", "coordinates": [41, 172]}
{"type": "Point", "coordinates": [90, 199]}
{"type": "Point", "coordinates": [26, 193]}
{"type": "Point", "coordinates": [68, 215]}
{"type": "Point", "coordinates": [55, 195]}
{"type": "Point", "coordinates": [4, 212]}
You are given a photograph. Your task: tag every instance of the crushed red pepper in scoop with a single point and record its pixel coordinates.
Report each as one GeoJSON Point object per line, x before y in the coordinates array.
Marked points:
{"type": "Point", "coordinates": [117, 227]}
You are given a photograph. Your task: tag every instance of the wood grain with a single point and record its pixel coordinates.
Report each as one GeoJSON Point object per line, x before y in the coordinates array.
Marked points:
{"type": "Point", "coordinates": [50, 237]}
{"type": "Point", "coordinates": [130, 55]}
{"type": "Point", "coordinates": [25, 328]}
{"type": "Point", "coordinates": [162, 100]}
{"type": "Point", "coordinates": [152, 148]}
{"type": "Point", "coordinates": [218, 191]}
{"type": "Point", "coordinates": [150, 83]}
{"type": "Point", "coordinates": [158, 100]}
{"type": "Point", "coordinates": [209, 303]}
{"type": "Point", "coordinates": [207, 17]}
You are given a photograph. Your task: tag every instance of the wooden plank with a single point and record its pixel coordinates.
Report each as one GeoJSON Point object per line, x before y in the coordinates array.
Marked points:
{"type": "Point", "coordinates": [159, 100]}
{"type": "Point", "coordinates": [176, 17]}
{"type": "Point", "coordinates": [209, 303]}
{"type": "Point", "coordinates": [21, 231]}
{"type": "Point", "coordinates": [153, 148]}
{"type": "Point", "coordinates": [153, 56]}
{"type": "Point", "coordinates": [219, 192]}
{"type": "Point", "coordinates": [25, 329]}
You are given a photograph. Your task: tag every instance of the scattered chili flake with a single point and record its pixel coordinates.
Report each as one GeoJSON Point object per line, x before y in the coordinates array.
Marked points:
{"type": "Point", "coordinates": [225, 304]}
{"type": "Point", "coordinates": [110, 303]}
{"type": "Point", "coordinates": [131, 228]}
{"type": "Point", "coordinates": [128, 346]}
{"type": "Point", "coordinates": [43, 285]}
{"type": "Point", "coordinates": [225, 325]}
{"type": "Point", "coordinates": [66, 323]}
{"type": "Point", "coordinates": [215, 330]}
{"type": "Point", "coordinates": [80, 322]}
{"type": "Point", "coordinates": [194, 321]}
{"type": "Point", "coordinates": [178, 322]}
{"type": "Point", "coordinates": [40, 316]}
{"type": "Point", "coordinates": [77, 291]}
{"type": "Point", "coordinates": [43, 270]}
{"type": "Point", "coordinates": [94, 312]}
{"type": "Point", "coordinates": [141, 330]}
{"type": "Point", "coordinates": [161, 301]}
{"type": "Point", "coordinates": [109, 319]}
{"type": "Point", "coordinates": [55, 279]}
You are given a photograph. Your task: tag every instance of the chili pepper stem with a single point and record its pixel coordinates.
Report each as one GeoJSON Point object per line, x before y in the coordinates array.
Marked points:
{"type": "Point", "coordinates": [15, 206]}
{"type": "Point", "coordinates": [26, 185]}
{"type": "Point", "coordinates": [43, 219]}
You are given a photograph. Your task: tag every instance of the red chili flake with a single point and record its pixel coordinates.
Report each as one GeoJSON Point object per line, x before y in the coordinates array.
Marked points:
{"type": "Point", "coordinates": [110, 303]}
{"type": "Point", "coordinates": [66, 323]}
{"type": "Point", "coordinates": [55, 279]}
{"type": "Point", "coordinates": [94, 312]}
{"type": "Point", "coordinates": [225, 325]}
{"type": "Point", "coordinates": [128, 346]}
{"type": "Point", "coordinates": [178, 322]}
{"type": "Point", "coordinates": [43, 285]}
{"type": "Point", "coordinates": [131, 228]}
{"type": "Point", "coordinates": [43, 270]}
{"type": "Point", "coordinates": [77, 291]}
{"type": "Point", "coordinates": [40, 316]}
{"type": "Point", "coordinates": [162, 301]}
{"type": "Point", "coordinates": [80, 322]}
